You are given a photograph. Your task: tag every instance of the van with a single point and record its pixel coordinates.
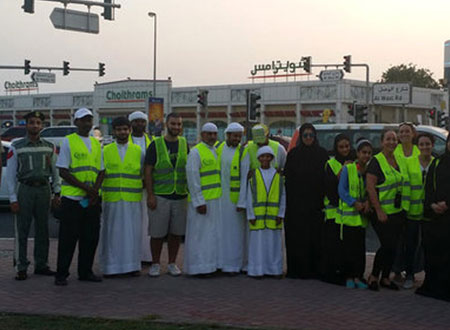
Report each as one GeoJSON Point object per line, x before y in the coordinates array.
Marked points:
{"type": "Point", "coordinates": [327, 132]}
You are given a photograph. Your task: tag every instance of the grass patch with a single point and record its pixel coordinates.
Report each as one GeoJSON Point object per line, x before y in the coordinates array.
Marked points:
{"type": "Point", "coordinates": [44, 322]}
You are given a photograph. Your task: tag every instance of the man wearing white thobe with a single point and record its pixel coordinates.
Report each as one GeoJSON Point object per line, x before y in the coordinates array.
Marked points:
{"type": "Point", "coordinates": [201, 250]}
{"type": "Point", "coordinates": [232, 222]}
{"type": "Point", "coordinates": [138, 136]}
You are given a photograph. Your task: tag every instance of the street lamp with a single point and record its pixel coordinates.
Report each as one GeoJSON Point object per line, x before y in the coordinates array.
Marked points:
{"type": "Point", "coordinates": [153, 15]}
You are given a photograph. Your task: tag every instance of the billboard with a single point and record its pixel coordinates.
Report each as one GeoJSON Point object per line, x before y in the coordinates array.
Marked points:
{"type": "Point", "coordinates": [155, 110]}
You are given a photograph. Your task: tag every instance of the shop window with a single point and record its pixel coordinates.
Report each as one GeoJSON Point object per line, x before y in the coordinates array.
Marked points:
{"type": "Point", "coordinates": [284, 128]}
{"type": "Point", "coordinates": [221, 126]}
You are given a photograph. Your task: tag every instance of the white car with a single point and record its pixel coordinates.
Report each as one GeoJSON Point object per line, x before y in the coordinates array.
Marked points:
{"type": "Point", "coordinates": [4, 196]}
{"type": "Point", "coordinates": [56, 134]}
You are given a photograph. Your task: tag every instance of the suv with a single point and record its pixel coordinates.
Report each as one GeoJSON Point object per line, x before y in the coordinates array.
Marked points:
{"type": "Point", "coordinates": [327, 132]}
{"type": "Point", "coordinates": [56, 134]}
{"type": "Point", "coordinates": [14, 133]}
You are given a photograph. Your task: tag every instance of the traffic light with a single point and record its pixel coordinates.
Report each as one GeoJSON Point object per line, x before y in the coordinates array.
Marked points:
{"type": "Point", "coordinates": [66, 68]}
{"type": "Point", "coordinates": [101, 69]}
{"type": "Point", "coordinates": [253, 106]}
{"type": "Point", "coordinates": [432, 113]}
{"type": "Point", "coordinates": [202, 98]}
{"type": "Point", "coordinates": [361, 113]}
{"type": "Point", "coordinates": [348, 63]}
{"type": "Point", "coordinates": [27, 66]}
{"type": "Point", "coordinates": [28, 6]}
{"type": "Point", "coordinates": [441, 119]}
{"type": "Point", "coordinates": [307, 63]}
{"type": "Point", "coordinates": [108, 12]}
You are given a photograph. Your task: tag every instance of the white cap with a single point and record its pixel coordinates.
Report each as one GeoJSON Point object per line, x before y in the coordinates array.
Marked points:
{"type": "Point", "coordinates": [82, 112]}
{"type": "Point", "coordinates": [137, 115]}
{"type": "Point", "coordinates": [209, 127]}
{"type": "Point", "coordinates": [234, 128]}
{"type": "Point", "coordinates": [265, 150]}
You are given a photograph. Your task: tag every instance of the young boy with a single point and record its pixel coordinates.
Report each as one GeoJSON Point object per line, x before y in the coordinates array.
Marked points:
{"type": "Point", "coordinates": [266, 204]}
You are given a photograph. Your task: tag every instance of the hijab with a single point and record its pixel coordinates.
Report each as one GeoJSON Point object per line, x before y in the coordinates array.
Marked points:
{"type": "Point", "coordinates": [342, 159]}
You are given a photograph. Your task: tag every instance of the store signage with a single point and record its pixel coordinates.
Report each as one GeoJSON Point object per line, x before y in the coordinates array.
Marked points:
{"type": "Point", "coordinates": [277, 66]}
{"type": "Point", "coordinates": [395, 93]}
{"type": "Point", "coordinates": [18, 85]}
{"type": "Point", "coordinates": [124, 96]}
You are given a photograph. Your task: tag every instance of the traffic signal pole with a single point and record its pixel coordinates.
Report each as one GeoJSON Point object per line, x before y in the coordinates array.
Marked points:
{"type": "Point", "coordinates": [51, 68]}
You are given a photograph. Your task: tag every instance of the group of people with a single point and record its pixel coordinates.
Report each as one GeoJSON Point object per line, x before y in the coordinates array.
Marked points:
{"type": "Point", "coordinates": [231, 202]}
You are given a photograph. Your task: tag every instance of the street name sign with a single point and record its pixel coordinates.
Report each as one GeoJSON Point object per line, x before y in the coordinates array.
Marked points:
{"type": "Point", "coordinates": [43, 77]}
{"type": "Point", "coordinates": [67, 19]}
{"type": "Point", "coordinates": [331, 75]}
{"type": "Point", "coordinates": [392, 93]}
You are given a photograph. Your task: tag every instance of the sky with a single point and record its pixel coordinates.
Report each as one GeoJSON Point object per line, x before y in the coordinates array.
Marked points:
{"type": "Point", "coordinates": [218, 42]}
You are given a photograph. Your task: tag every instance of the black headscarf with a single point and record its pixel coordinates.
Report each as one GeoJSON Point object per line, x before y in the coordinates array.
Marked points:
{"type": "Point", "coordinates": [342, 159]}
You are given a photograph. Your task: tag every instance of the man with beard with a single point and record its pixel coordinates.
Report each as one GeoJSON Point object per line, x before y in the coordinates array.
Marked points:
{"type": "Point", "coordinates": [138, 136]}
{"type": "Point", "coordinates": [165, 181]}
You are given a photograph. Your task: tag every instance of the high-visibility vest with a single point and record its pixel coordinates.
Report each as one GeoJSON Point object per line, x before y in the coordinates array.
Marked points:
{"type": "Point", "coordinates": [123, 179]}
{"type": "Point", "coordinates": [401, 161]}
{"type": "Point", "coordinates": [266, 204]}
{"type": "Point", "coordinates": [84, 166]}
{"type": "Point", "coordinates": [252, 149]}
{"type": "Point", "coordinates": [166, 178]}
{"type": "Point", "coordinates": [148, 139]}
{"type": "Point", "coordinates": [346, 214]}
{"type": "Point", "coordinates": [330, 210]}
{"type": "Point", "coordinates": [235, 171]}
{"type": "Point", "coordinates": [209, 173]}
{"type": "Point", "coordinates": [218, 144]}
{"type": "Point", "coordinates": [417, 182]}
{"type": "Point", "coordinates": [392, 185]}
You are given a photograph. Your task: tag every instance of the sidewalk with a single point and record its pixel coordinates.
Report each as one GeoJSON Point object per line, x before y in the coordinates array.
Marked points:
{"type": "Point", "coordinates": [238, 301]}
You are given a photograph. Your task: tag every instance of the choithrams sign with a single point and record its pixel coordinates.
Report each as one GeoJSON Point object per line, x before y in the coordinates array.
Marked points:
{"type": "Point", "coordinates": [17, 86]}
{"type": "Point", "coordinates": [125, 96]}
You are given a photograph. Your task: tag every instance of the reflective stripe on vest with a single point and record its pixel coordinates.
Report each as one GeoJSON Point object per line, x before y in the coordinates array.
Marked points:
{"type": "Point", "coordinates": [330, 210]}
{"type": "Point", "coordinates": [166, 178]}
{"type": "Point", "coordinates": [209, 172]}
{"type": "Point", "coordinates": [235, 171]}
{"type": "Point", "coordinates": [390, 187]}
{"type": "Point", "coordinates": [346, 214]}
{"type": "Point", "coordinates": [266, 204]}
{"type": "Point", "coordinates": [84, 165]}
{"type": "Point", "coordinates": [401, 161]}
{"type": "Point", "coordinates": [252, 149]}
{"type": "Point", "coordinates": [416, 179]}
{"type": "Point", "coordinates": [123, 179]}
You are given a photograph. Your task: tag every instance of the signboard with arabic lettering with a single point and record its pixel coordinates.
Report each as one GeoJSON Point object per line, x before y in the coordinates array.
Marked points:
{"type": "Point", "coordinates": [394, 93]}
{"type": "Point", "coordinates": [277, 66]}
{"type": "Point", "coordinates": [331, 75]}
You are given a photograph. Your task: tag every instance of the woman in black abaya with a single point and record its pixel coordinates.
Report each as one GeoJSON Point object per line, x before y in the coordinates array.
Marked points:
{"type": "Point", "coordinates": [305, 190]}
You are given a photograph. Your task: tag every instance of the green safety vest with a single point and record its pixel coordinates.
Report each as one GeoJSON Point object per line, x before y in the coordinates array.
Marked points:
{"type": "Point", "coordinates": [218, 144]}
{"type": "Point", "coordinates": [235, 171]}
{"type": "Point", "coordinates": [346, 214]}
{"type": "Point", "coordinates": [266, 204]}
{"type": "Point", "coordinates": [148, 139]}
{"type": "Point", "coordinates": [84, 165]}
{"type": "Point", "coordinates": [330, 210]}
{"type": "Point", "coordinates": [390, 187]}
{"type": "Point", "coordinates": [209, 173]}
{"type": "Point", "coordinates": [166, 178]}
{"type": "Point", "coordinates": [415, 211]}
{"type": "Point", "coordinates": [123, 179]}
{"type": "Point", "coordinates": [401, 161]}
{"type": "Point", "coordinates": [252, 149]}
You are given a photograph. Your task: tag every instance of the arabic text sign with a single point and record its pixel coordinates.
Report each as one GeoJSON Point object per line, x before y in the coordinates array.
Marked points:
{"type": "Point", "coordinates": [331, 75]}
{"type": "Point", "coordinates": [277, 66]}
{"type": "Point", "coordinates": [395, 93]}
{"type": "Point", "coordinates": [43, 77]}
{"type": "Point", "coordinates": [74, 20]}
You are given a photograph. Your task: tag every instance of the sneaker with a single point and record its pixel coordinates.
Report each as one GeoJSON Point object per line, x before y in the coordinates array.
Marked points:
{"type": "Point", "coordinates": [361, 285]}
{"type": "Point", "coordinates": [173, 270]}
{"type": "Point", "coordinates": [350, 284]}
{"type": "Point", "coordinates": [155, 270]}
{"type": "Point", "coordinates": [409, 284]}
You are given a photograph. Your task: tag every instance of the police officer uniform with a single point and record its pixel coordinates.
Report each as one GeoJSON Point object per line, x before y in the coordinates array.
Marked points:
{"type": "Point", "coordinates": [30, 164]}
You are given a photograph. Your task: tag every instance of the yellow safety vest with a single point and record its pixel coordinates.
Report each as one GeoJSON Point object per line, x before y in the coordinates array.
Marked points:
{"type": "Point", "coordinates": [235, 171]}
{"type": "Point", "coordinates": [148, 139]}
{"type": "Point", "coordinates": [123, 179]}
{"type": "Point", "coordinates": [266, 204]}
{"type": "Point", "coordinates": [401, 161]}
{"type": "Point", "coordinates": [84, 166]}
{"type": "Point", "coordinates": [417, 182]}
{"type": "Point", "coordinates": [330, 210]}
{"type": "Point", "coordinates": [166, 178]}
{"type": "Point", "coordinates": [209, 173]}
{"type": "Point", "coordinates": [252, 149]}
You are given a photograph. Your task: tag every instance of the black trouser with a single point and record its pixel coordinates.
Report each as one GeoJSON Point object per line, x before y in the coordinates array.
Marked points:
{"type": "Point", "coordinates": [411, 246]}
{"type": "Point", "coordinates": [82, 225]}
{"type": "Point", "coordinates": [388, 234]}
{"type": "Point", "coordinates": [331, 271]}
{"type": "Point", "coordinates": [353, 251]}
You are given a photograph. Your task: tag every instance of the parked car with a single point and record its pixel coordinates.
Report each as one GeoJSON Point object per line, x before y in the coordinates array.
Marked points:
{"type": "Point", "coordinates": [4, 196]}
{"type": "Point", "coordinates": [56, 134]}
{"type": "Point", "coordinates": [326, 134]}
{"type": "Point", "coordinates": [14, 133]}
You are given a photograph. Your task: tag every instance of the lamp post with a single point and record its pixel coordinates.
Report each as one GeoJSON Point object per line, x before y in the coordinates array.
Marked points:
{"type": "Point", "coordinates": [153, 15]}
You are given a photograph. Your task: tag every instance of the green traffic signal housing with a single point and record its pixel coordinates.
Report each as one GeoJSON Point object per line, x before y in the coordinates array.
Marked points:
{"type": "Point", "coordinates": [27, 66]}
{"type": "Point", "coordinates": [28, 6]}
{"type": "Point", "coordinates": [348, 63]}
{"type": "Point", "coordinates": [101, 69]}
{"type": "Point", "coordinates": [66, 68]}
{"type": "Point", "coordinates": [253, 106]}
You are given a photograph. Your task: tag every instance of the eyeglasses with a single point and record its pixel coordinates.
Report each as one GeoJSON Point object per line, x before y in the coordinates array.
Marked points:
{"type": "Point", "coordinates": [309, 135]}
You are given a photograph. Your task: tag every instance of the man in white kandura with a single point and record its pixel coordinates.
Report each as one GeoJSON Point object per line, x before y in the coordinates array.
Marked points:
{"type": "Point", "coordinates": [232, 223]}
{"type": "Point", "coordinates": [138, 136]}
{"type": "Point", "coordinates": [202, 232]}
{"type": "Point", "coordinates": [120, 233]}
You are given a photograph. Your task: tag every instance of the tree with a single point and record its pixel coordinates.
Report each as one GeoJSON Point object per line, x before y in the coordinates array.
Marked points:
{"type": "Point", "coordinates": [410, 73]}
